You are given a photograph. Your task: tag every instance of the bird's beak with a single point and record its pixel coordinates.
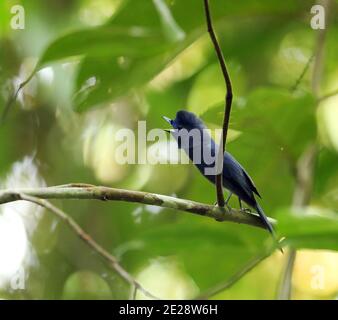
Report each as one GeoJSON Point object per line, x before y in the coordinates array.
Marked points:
{"type": "Point", "coordinates": [169, 121]}
{"type": "Point", "coordinates": [169, 130]}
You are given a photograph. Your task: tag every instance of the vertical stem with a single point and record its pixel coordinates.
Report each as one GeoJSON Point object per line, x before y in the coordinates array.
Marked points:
{"type": "Point", "coordinates": [319, 52]}
{"type": "Point", "coordinates": [285, 289]}
{"type": "Point", "coordinates": [227, 107]}
{"type": "Point", "coordinates": [305, 166]}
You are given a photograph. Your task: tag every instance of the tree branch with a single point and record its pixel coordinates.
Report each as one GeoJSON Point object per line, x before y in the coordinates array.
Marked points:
{"type": "Point", "coordinates": [228, 102]}
{"type": "Point", "coordinates": [232, 280]}
{"type": "Point", "coordinates": [72, 191]}
{"type": "Point", "coordinates": [112, 261]}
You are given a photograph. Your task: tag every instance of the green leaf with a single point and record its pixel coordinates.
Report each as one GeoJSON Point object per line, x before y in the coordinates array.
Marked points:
{"type": "Point", "coordinates": [111, 79]}
{"type": "Point", "coordinates": [131, 35]}
{"type": "Point", "coordinates": [326, 172]}
{"type": "Point", "coordinates": [270, 110]}
{"type": "Point", "coordinates": [86, 285]}
{"type": "Point", "coordinates": [107, 41]}
{"type": "Point", "coordinates": [313, 227]}
{"type": "Point", "coordinates": [128, 34]}
{"type": "Point", "coordinates": [276, 126]}
{"type": "Point", "coordinates": [171, 28]}
{"type": "Point", "coordinates": [210, 251]}
{"type": "Point", "coordinates": [288, 118]}
{"type": "Point", "coordinates": [209, 87]}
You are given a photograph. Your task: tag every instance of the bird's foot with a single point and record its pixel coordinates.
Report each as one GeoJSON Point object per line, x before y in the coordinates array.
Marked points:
{"type": "Point", "coordinates": [220, 216]}
{"type": "Point", "coordinates": [225, 205]}
{"type": "Point", "coordinates": [228, 207]}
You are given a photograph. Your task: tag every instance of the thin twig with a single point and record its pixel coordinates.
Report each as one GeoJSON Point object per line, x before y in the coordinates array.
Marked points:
{"type": "Point", "coordinates": [300, 78]}
{"type": "Point", "coordinates": [306, 162]}
{"type": "Point", "coordinates": [328, 95]}
{"type": "Point", "coordinates": [228, 102]}
{"type": "Point", "coordinates": [104, 193]}
{"type": "Point", "coordinates": [304, 177]}
{"type": "Point", "coordinates": [134, 293]}
{"type": "Point", "coordinates": [112, 261]}
{"type": "Point", "coordinates": [13, 98]}
{"type": "Point", "coordinates": [232, 280]}
{"type": "Point", "coordinates": [319, 57]}
{"type": "Point", "coordinates": [285, 289]}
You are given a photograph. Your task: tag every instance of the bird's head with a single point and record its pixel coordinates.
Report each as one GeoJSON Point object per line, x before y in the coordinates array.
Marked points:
{"type": "Point", "coordinates": [185, 120]}
{"type": "Point", "coordinates": [189, 131]}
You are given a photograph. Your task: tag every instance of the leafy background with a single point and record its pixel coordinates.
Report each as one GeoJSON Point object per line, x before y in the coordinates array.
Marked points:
{"type": "Point", "coordinates": [103, 65]}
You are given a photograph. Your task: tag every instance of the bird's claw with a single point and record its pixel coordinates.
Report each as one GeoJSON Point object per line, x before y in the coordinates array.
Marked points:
{"type": "Point", "coordinates": [228, 207]}
{"type": "Point", "coordinates": [220, 216]}
{"type": "Point", "coordinates": [104, 197]}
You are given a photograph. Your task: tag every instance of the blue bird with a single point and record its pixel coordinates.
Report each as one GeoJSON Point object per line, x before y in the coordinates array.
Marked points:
{"type": "Point", "coordinates": [235, 178]}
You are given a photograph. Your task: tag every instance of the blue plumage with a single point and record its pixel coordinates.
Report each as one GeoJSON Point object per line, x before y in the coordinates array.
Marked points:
{"type": "Point", "coordinates": [235, 178]}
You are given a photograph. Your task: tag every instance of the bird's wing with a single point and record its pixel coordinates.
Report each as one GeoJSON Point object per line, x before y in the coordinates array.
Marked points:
{"type": "Point", "coordinates": [236, 176]}
{"type": "Point", "coordinates": [251, 183]}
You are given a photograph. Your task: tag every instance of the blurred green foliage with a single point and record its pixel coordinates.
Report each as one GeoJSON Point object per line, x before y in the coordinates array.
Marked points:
{"type": "Point", "coordinates": [103, 65]}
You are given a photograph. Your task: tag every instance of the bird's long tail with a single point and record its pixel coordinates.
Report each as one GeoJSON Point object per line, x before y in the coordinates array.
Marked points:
{"type": "Point", "coordinates": [265, 220]}
{"type": "Point", "coordinates": [267, 224]}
